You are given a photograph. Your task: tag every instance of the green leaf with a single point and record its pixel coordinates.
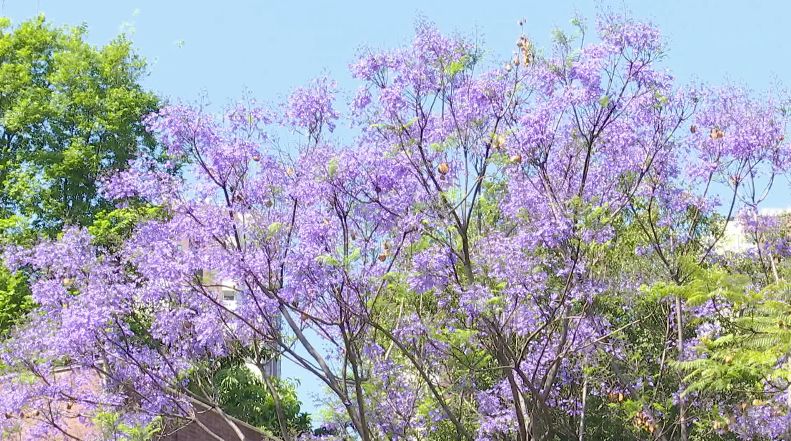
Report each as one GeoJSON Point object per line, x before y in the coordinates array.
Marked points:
{"type": "Point", "coordinates": [273, 229]}
{"type": "Point", "coordinates": [326, 259]}
{"type": "Point", "coordinates": [352, 257]}
{"type": "Point", "coordinates": [332, 167]}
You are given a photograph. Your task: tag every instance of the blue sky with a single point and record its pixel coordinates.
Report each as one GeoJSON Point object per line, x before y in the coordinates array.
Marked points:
{"type": "Point", "coordinates": [220, 49]}
{"type": "Point", "coordinates": [269, 46]}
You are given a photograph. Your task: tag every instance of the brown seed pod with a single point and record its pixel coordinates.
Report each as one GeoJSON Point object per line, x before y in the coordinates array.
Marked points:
{"type": "Point", "coordinates": [716, 133]}
{"type": "Point", "coordinates": [693, 128]}
{"type": "Point", "coordinates": [443, 168]}
{"type": "Point", "coordinates": [526, 49]}
{"type": "Point", "coordinates": [516, 159]}
{"type": "Point", "coordinates": [382, 257]}
{"type": "Point", "coordinates": [256, 157]}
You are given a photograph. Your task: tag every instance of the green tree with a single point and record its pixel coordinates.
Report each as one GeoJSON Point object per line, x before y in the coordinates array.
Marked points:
{"type": "Point", "coordinates": [70, 113]}
{"type": "Point", "coordinates": [246, 396]}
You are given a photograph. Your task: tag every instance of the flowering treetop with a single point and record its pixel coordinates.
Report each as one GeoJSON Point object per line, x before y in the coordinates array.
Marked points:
{"type": "Point", "coordinates": [465, 256]}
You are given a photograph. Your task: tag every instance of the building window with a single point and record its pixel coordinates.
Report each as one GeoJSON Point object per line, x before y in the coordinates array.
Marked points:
{"type": "Point", "coordinates": [228, 295]}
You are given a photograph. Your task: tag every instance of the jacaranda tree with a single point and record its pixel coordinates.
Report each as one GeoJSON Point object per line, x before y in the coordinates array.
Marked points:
{"type": "Point", "coordinates": [516, 252]}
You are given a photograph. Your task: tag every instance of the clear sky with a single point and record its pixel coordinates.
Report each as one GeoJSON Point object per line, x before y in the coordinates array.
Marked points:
{"type": "Point", "coordinates": [220, 49]}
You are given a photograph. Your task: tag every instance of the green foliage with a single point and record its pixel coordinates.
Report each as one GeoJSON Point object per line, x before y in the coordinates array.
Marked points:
{"type": "Point", "coordinates": [244, 395]}
{"type": "Point", "coordinates": [112, 227]}
{"type": "Point", "coordinates": [758, 337]}
{"type": "Point", "coordinates": [70, 114]}
{"type": "Point", "coordinates": [110, 426]}
{"type": "Point", "coordinates": [14, 297]}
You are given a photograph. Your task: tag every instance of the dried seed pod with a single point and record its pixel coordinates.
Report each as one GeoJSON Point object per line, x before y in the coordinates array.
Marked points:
{"type": "Point", "coordinates": [516, 159]}
{"type": "Point", "coordinates": [693, 128]}
{"type": "Point", "coordinates": [443, 168]}
{"type": "Point", "coordinates": [526, 49]}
